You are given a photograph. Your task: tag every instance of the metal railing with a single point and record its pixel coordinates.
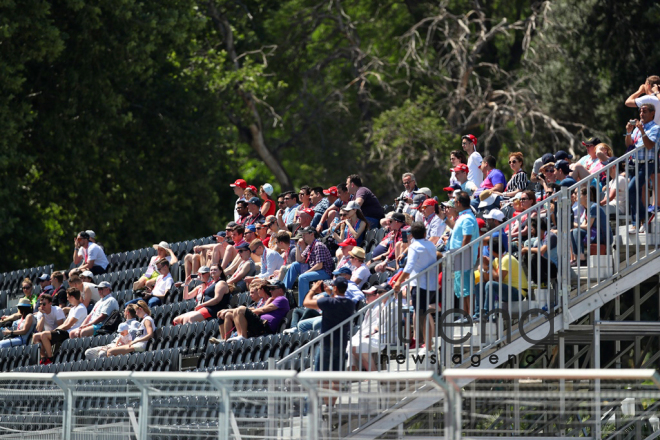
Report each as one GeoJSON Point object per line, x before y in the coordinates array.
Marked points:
{"type": "Point", "coordinates": [224, 405]}
{"type": "Point", "coordinates": [489, 312]}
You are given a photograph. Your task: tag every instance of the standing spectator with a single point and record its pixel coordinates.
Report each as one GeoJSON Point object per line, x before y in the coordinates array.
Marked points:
{"type": "Point", "coordinates": [149, 277]}
{"type": "Point", "coordinates": [335, 309]}
{"type": "Point", "coordinates": [123, 338]}
{"type": "Point", "coordinates": [494, 179]}
{"type": "Point", "coordinates": [404, 201]}
{"type": "Point", "coordinates": [374, 333]}
{"type": "Point", "coordinates": [270, 261]}
{"type": "Point", "coordinates": [644, 133]}
{"type": "Point", "coordinates": [423, 291]}
{"type": "Point", "coordinates": [89, 254]}
{"type": "Point", "coordinates": [469, 143]}
{"type": "Point", "coordinates": [100, 313]}
{"type": "Point", "coordinates": [21, 329]}
{"type": "Point", "coordinates": [518, 181]}
{"type": "Point", "coordinates": [320, 203]}
{"type": "Point", "coordinates": [268, 206]}
{"type": "Point", "coordinates": [456, 157]}
{"type": "Point", "coordinates": [254, 206]}
{"type": "Point", "coordinates": [465, 230]}
{"type": "Point", "coordinates": [49, 316]}
{"type": "Point", "coordinates": [368, 202]}
{"type": "Point", "coordinates": [154, 297]}
{"type": "Point", "coordinates": [144, 333]}
{"type": "Point", "coordinates": [74, 319]}
{"type": "Point", "coordinates": [313, 262]}
{"type": "Point", "coordinates": [239, 188]}
{"type": "Point", "coordinates": [647, 94]}
{"type": "Point", "coordinates": [461, 173]}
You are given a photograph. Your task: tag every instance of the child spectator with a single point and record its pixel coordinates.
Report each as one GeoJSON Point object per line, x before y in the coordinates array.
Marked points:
{"type": "Point", "coordinates": [123, 339]}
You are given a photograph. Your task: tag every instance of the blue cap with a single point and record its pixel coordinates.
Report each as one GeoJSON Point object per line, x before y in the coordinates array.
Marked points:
{"type": "Point", "coordinates": [562, 155]}
{"type": "Point", "coordinates": [255, 201]}
{"type": "Point", "coordinates": [252, 228]}
{"type": "Point", "coordinates": [340, 281]}
{"type": "Point", "coordinates": [343, 269]}
{"type": "Point", "coordinates": [548, 157]}
{"type": "Point", "coordinates": [221, 234]}
{"type": "Point", "coordinates": [242, 246]}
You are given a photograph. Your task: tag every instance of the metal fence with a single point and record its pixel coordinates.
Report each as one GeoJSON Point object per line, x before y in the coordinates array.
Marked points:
{"type": "Point", "coordinates": [469, 317]}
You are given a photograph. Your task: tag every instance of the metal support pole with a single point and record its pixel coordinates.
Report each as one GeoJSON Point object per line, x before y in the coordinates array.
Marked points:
{"type": "Point", "coordinates": [272, 413]}
{"type": "Point", "coordinates": [638, 317]}
{"type": "Point", "coordinates": [67, 414]}
{"type": "Point", "coordinates": [313, 414]}
{"type": "Point", "coordinates": [562, 386]}
{"type": "Point", "coordinates": [596, 359]}
{"type": "Point", "coordinates": [143, 423]}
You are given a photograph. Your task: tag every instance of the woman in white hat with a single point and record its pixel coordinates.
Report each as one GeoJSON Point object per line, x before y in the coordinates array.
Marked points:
{"type": "Point", "coordinates": [149, 277]}
{"type": "Point", "coordinates": [268, 206]}
{"type": "Point", "coordinates": [22, 328]}
{"type": "Point", "coordinates": [352, 224]}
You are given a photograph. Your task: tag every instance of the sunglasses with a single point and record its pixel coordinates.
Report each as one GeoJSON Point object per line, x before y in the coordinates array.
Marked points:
{"type": "Point", "coordinates": [287, 198]}
{"type": "Point", "coordinates": [550, 170]}
{"type": "Point", "coordinates": [342, 214]}
{"type": "Point", "coordinates": [512, 161]}
{"type": "Point", "coordinates": [26, 287]}
{"type": "Point", "coordinates": [523, 199]}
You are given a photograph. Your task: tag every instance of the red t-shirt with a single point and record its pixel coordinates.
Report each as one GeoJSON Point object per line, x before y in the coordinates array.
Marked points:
{"type": "Point", "coordinates": [271, 208]}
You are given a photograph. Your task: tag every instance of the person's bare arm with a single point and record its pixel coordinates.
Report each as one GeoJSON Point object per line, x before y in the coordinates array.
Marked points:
{"type": "Point", "coordinates": [174, 258]}
{"type": "Point", "coordinates": [630, 101]}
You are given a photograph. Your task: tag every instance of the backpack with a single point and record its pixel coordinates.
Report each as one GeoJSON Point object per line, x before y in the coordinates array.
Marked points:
{"type": "Point", "coordinates": [110, 325]}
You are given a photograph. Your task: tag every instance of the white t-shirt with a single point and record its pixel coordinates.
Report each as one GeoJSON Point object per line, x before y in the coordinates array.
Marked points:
{"type": "Point", "coordinates": [650, 99]}
{"type": "Point", "coordinates": [105, 306]}
{"type": "Point", "coordinates": [621, 192]}
{"type": "Point", "coordinates": [80, 313]}
{"type": "Point", "coordinates": [474, 174]}
{"type": "Point", "coordinates": [94, 292]}
{"type": "Point", "coordinates": [94, 252]}
{"type": "Point", "coordinates": [152, 265]}
{"type": "Point", "coordinates": [50, 319]}
{"type": "Point", "coordinates": [362, 273]}
{"type": "Point", "coordinates": [162, 285]}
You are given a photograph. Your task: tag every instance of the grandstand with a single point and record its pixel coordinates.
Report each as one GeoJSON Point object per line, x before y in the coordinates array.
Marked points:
{"type": "Point", "coordinates": [597, 315]}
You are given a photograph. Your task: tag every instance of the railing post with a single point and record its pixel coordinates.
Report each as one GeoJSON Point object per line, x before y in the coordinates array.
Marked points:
{"type": "Point", "coordinates": [447, 303]}
{"type": "Point", "coordinates": [564, 208]}
{"type": "Point", "coordinates": [67, 413]}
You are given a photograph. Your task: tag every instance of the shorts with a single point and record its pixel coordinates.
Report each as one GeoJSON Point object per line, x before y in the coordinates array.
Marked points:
{"type": "Point", "coordinates": [58, 335]}
{"type": "Point", "coordinates": [423, 297]}
{"type": "Point", "coordinates": [97, 327]}
{"type": "Point", "coordinates": [140, 347]}
{"type": "Point", "coordinates": [256, 326]}
{"type": "Point", "coordinates": [205, 313]}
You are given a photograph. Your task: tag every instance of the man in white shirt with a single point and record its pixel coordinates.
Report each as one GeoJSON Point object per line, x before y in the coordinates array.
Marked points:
{"type": "Point", "coordinates": [155, 296]}
{"type": "Point", "coordinates": [469, 143]}
{"type": "Point", "coordinates": [647, 94]}
{"type": "Point", "coordinates": [90, 254]}
{"type": "Point", "coordinates": [76, 316]}
{"type": "Point", "coordinates": [49, 316]}
{"type": "Point", "coordinates": [435, 226]}
{"type": "Point", "coordinates": [421, 255]}
{"type": "Point", "coordinates": [88, 291]}
{"type": "Point", "coordinates": [100, 313]}
{"type": "Point", "coordinates": [270, 261]}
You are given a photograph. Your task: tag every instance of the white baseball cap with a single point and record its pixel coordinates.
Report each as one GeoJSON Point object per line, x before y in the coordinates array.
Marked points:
{"type": "Point", "coordinates": [495, 214]}
{"type": "Point", "coordinates": [268, 188]}
{"type": "Point", "coordinates": [88, 274]}
{"type": "Point", "coordinates": [163, 244]}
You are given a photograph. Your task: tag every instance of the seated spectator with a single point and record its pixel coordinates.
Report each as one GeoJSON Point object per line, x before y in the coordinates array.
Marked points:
{"type": "Point", "coordinates": [74, 319]}
{"type": "Point", "coordinates": [59, 291]}
{"type": "Point", "coordinates": [456, 157]}
{"type": "Point", "coordinates": [369, 204]}
{"type": "Point", "coordinates": [258, 297]}
{"type": "Point", "coordinates": [89, 254]}
{"type": "Point", "coordinates": [270, 261]}
{"type": "Point", "coordinates": [603, 153]}
{"type": "Point", "coordinates": [123, 339]}
{"type": "Point", "coordinates": [244, 268]}
{"type": "Point", "coordinates": [211, 297]}
{"type": "Point", "coordinates": [87, 276]}
{"type": "Point", "coordinates": [313, 262]}
{"type": "Point", "coordinates": [22, 328]}
{"type": "Point", "coordinates": [487, 201]}
{"type": "Point", "coordinates": [205, 255]}
{"type": "Point", "coordinates": [242, 210]}
{"type": "Point", "coordinates": [149, 277]}
{"type": "Point", "coordinates": [249, 192]}
{"type": "Point", "coordinates": [563, 172]}
{"type": "Point", "coordinates": [49, 316]}
{"type": "Point", "coordinates": [361, 273]}
{"type": "Point", "coordinates": [288, 215]}
{"type": "Point", "coordinates": [231, 253]}
{"type": "Point", "coordinates": [249, 236]}
{"type": "Point", "coordinates": [272, 228]}
{"type": "Point", "coordinates": [254, 207]}
{"type": "Point", "coordinates": [588, 231]}
{"type": "Point", "coordinates": [503, 279]}
{"type": "Point", "coordinates": [303, 220]}
{"type": "Point", "coordinates": [548, 174]}
{"type": "Point", "coordinates": [394, 248]}
{"type": "Point", "coordinates": [527, 200]}
{"type": "Point", "coordinates": [305, 197]}
{"type": "Point", "coordinates": [144, 333]}
{"type": "Point", "coordinates": [518, 181]}
{"type": "Point", "coordinates": [204, 274]}
{"type": "Point", "coordinates": [43, 280]}
{"type": "Point", "coordinates": [100, 313]}
{"type": "Point", "coordinates": [88, 291]}
{"type": "Point", "coordinates": [404, 202]}
{"type": "Point", "coordinates": [494, 218]}
{"type": "Point", "coordinates": [154, 297]}
{"type": "Point", "coordinates": [335, 309]}
{"type": "Point", "coordinates": [320, 203]}
{"type": "Point", "coordinates": [352, 224]}
{"type": "Point", "coordinates": [536, 177]}
{"type": "Point", "coordinates": [268, 205]}
{"type": "Point", "coordinates": [583, 167]}
{"type": "Point", "coordinates": [330, 217]}
{"type": "Point", "coordinates": [287, 249]}
{"type": "Point", "coordinates": [544, 251]}
{"type": "Point", "coordinates": [262, 320]}
{"type": "Point", "coordinates": [343, 254]}
{"type": "Point", "coordinates": [433, 220]}
{"type": "Point", "coordinates": [262, 233]}
{"type": "Point", "coordinates": [416, 206]}
{"type": "Point", "coordinates": [461, 173]}
{"type": "Point", "coordinates": [375, 332]}
{"type": "Point", "coordinates": [130, 316]}
{"type": "Point", "coordinates": [493, 179]}
{"type": "Point", "coordinates": [616, 195]}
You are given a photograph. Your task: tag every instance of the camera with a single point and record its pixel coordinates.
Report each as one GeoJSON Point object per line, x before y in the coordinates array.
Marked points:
{"type": "Point", "coordinates": [632, 122]}
{"type": "Point", "coordinates": [193, 276]}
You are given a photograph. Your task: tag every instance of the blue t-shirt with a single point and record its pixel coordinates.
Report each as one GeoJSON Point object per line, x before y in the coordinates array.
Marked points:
{"type": "Point", "coordinates": [494, 177]}
{"type": "Point", "coordinates": [465, 225]}
{"type": "Point", "coordinates": [335, 310]}
{"type": "Point", "coordinates": [568, 182]}
{"type": "Point", "coordinates": [503, 239]}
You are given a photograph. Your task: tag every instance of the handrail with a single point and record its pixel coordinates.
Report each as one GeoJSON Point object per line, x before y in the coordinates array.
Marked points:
{"type": "Point", "coordinates": [546, 298]}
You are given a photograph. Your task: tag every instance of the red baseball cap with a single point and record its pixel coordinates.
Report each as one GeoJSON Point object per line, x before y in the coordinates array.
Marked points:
{"type": "Point", "coordinates": [460, 167]}
{"type": "Point", "coordinates": [253, 188]}
{"type": "Point", "coordinates": [332, 191]}
{"type": "Point", "coordinates": [348, 242]}
{"type": "Point", "coordinates": [472, 138]}
{"type": "Point", "coordinates": [482, 225]}
{"type": "Point", "coordinates": [429, 202]}
{"type": "Point", "coordinates": [308, 211]}
{"type": "Point", "coordinates": [240, 183]}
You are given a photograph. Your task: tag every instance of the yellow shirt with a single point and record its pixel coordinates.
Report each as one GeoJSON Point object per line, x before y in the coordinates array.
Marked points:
{"type": "Point", "coordinates": [511, 265]}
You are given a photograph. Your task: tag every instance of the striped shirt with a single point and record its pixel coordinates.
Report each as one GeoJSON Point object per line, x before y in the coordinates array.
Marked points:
{"type": "Point", "coordinates": [517, 182]}
{"type": "Point", "coordinates": [651, 131]}
{"type": "Point", "coordinates": [317, 252]}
